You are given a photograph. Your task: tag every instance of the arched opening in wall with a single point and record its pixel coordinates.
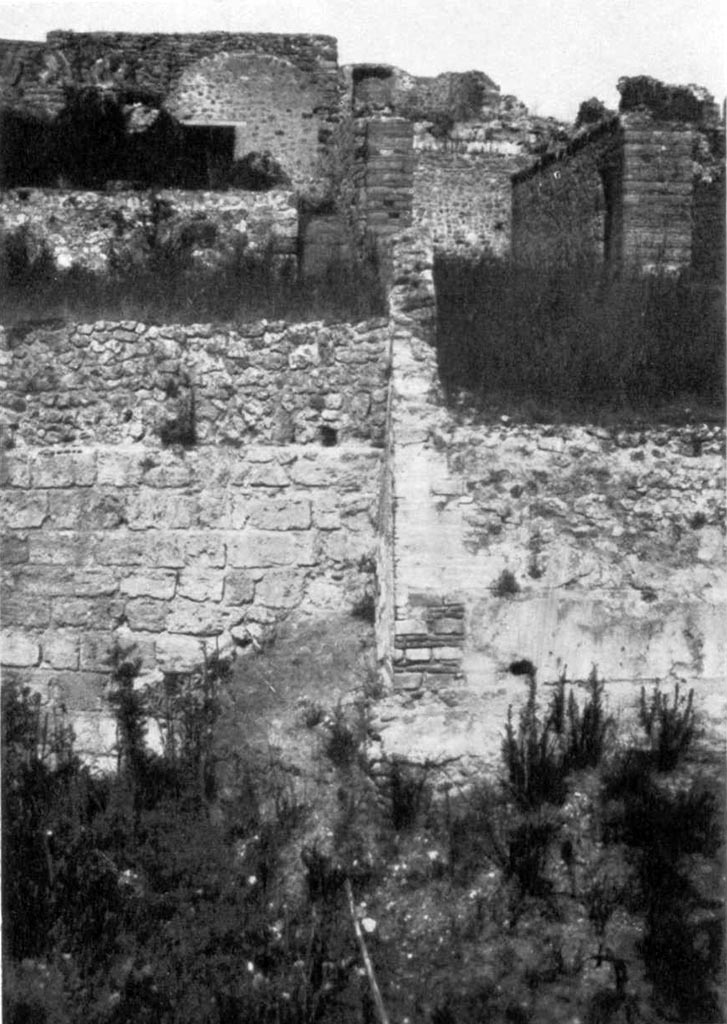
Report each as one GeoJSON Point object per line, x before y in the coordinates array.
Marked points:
{"type": "Point", "coordinates": [257, 172]}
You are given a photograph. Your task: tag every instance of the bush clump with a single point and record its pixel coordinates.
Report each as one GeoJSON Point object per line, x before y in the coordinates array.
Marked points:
{"type": "Point", "coordinates": [127, 898]}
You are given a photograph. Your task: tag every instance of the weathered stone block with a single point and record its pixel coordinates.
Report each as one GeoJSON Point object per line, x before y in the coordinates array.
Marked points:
{"type": "Point", "coordinates": [326, 513]}
{"type": "Point", "coordinates": [18, 649]}
{"type": "Point", "coordinates": [159, 585]}
{"type": "Point", "coordinates": [195, 618]}
{"type": "Point", "coordinates": [280, 513]}
{"type": "Point", "coordinates": [217, 509]}
{"type": "Point", "coordinates": [13, 549]}
{"type": "Point", "coordinates": [173, 472]}
{"type": "Point", "coordinates": [239, 587]}
{"type": "Point", "coordinates": [447, 653]}
{"type": "Point", "coordinates": [87, 612]}
{"type": "Point", "coordinates": [279, 589]}
{"type": "Point", "coordinates": [96, 510]}
{"type": "Point", "coordinates": [147, 614]}
{"type": "Point", "coordinates": [200, 584]}
{"type": "Point", "coordinates": [123, 548]}
{"type": "Point", "coordinates": [81, 691]}
{"type": "Point", "coordinates": [60, 649]}
{"type": "Point", "coordinates": [25, 609]}
{"type": "Point", "coordinates": [410, 627]}
{"type": "Point", "coordinates": [348, 548]}
{"type": "Point", "coordinates": [21, 510]}
{"type": "Point", "coordinates": [446, 626]}
{"type": "Point", "coordinates": [416, 654]}
{"type": "Point", "coordinates": [326, 594]}
{"type": "Point", "coordinates": [55, 548]}
{"type": "Point", "coordinates": [268, 475]}
{"type": "Point", "coordinates": [52, 468]}
{"type": "Point", "coordinates": [14, 469]}
{"type": "Point", "coordinates": [318, 472]}
{"type": "Point", "coordinates": [168, 510]}
{"type": "Point", "coordinates": [179, 653]}
{"type": "Point", "coordinates": [96, 739]}
{"type": "Point", "coordinates": [256, 548]}
{"type": "Point", "coordinates": [119, 468]}
{"type": "Point", "coordinates": [204, 549]}
{"type": "Point", "coordinates": [95, 651]}
{"type": "Point", "coordinates": [304, 356]}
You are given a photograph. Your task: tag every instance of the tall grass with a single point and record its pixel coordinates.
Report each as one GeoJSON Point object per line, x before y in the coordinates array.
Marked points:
{"type": "Point", "coordinates": [170, 287]}
{"type": "Point", "coordinates": [574, 336]}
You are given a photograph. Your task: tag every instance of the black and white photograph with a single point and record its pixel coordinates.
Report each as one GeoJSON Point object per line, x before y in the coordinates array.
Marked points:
{"type": "Point", "coordinates": [362, 512]}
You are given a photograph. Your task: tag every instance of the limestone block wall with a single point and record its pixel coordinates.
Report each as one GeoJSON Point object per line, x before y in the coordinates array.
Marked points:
{"type": "Point", "coordinates": [109, 532]}
{"type": "Point", "coordinates": [98, 231]}
{"type": "Point", "coordinates": [658, 186]}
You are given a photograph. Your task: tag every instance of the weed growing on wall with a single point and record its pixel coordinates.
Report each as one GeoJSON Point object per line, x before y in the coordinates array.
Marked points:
{"type": "Point", "coordinates": [570, 339]}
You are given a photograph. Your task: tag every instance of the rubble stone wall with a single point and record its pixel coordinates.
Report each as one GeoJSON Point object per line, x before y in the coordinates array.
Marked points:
{"type": "Point", "coordinates": [464, 200]}
{"type": "Point", "coordinates": [98, 230]}
{"type": "Point", "coordinates": [268, 510]}
{"type": "Point", "coordinates": [272, 383]}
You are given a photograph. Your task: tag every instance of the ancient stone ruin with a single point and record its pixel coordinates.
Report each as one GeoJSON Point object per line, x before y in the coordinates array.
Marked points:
{"type": "Point", "coordinates": [323, 468]}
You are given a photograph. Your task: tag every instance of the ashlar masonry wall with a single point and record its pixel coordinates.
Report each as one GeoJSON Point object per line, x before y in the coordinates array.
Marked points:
{"type": "Point", "coordinates": [110, 533]}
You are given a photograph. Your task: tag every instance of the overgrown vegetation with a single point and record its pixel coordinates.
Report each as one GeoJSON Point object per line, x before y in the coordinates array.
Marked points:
{"type": "Point", "coordinates": [129, 899]}
{"type": "Point", "coordinates": [669, 728]}
{"type": "Point", "coordinates": [568, 340]}
{"type": "Point", "coordinates": [168, 283]}
{"type": "Point", "coordinates": [581, 884]}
